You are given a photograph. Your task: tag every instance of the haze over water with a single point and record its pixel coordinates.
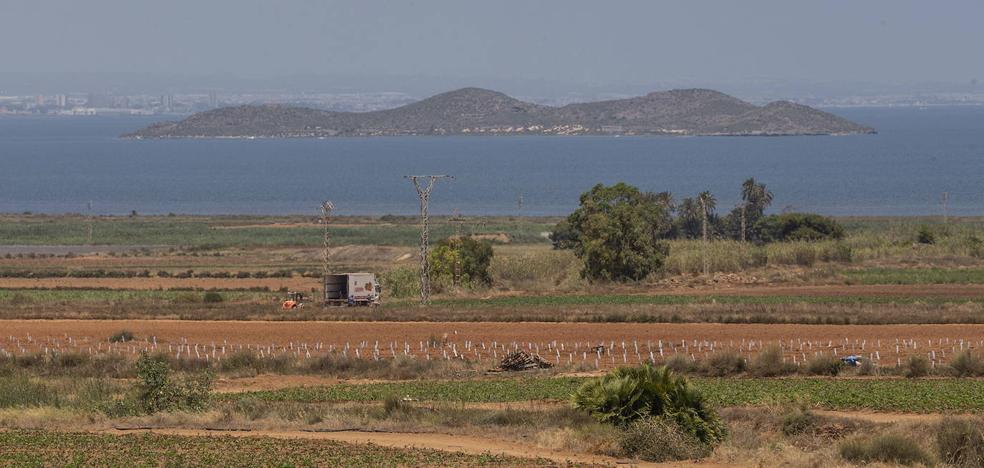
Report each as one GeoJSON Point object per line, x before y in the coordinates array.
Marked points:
{"type": "Point", "coordinates": [57, 165]}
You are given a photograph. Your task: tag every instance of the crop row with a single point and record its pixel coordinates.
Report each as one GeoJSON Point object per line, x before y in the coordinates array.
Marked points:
{"type": "Point", "coordinates": [933, 395]}
{"type": "Point", "coordinates": [42, 448]}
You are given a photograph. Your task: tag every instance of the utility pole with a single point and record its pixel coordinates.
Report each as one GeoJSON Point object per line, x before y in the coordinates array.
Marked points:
{"type": "Point", "coordinates": [326, 208]}
{"type": "Point", "coordinates": [423, 192]}
{"type": "Point", "coordinates": [943, 200]}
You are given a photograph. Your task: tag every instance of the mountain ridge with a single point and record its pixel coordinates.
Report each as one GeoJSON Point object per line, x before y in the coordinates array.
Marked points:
{"type": "Point", "coordinates": [469, 111]}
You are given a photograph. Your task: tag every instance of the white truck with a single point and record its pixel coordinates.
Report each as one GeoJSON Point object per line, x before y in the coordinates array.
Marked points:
{"type": "Point", "coordinates": [352, 289]}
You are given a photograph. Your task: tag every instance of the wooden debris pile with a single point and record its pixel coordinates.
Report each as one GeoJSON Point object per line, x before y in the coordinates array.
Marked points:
{"type": "Point", "coordinates": [521, 360]}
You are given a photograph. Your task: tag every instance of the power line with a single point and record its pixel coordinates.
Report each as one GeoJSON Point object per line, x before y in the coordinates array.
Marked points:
{"type": "Point", "coordinates": [423, 192]}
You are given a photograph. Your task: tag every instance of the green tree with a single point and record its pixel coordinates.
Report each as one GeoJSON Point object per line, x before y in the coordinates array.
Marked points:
{"type": "Point", "coordinates": [461, 261]}
{"type": "Point", "coordinates": [707, 204]}
{"type": "Point", "coordinates": [619, 232]}
{"type": "Point", "coordinates": [798, 227]}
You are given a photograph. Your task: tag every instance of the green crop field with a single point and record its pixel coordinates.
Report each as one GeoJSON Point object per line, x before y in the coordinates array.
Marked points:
{"type": "Point", "coordinates": [916, 275]}
{"type": "Point", "coordinates": [908, 395]}
{"type": "Point", "coordinates": [234, 231]}
{"type": "Point", "coordinates": [640, 299]}
{"type": "Point", "coordinates": [44, 448]}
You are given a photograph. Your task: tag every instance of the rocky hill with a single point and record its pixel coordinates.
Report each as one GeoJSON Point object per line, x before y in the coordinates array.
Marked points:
{"type": "Point", "coordinates": [472, 111]}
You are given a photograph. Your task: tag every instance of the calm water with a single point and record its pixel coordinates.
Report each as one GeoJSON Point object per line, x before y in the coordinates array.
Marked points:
{"type": "Point", "coordinates": [57, 165]}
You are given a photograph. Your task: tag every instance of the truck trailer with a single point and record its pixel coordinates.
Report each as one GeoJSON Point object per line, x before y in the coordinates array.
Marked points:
{"type": "Point", "coordinates": [352, 289]}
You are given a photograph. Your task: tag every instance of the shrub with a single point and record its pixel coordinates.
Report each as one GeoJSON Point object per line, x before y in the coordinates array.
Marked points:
{"type": "Point", "coordinates": [122, 336]}
{"type": "Point", "coordinates": [797, 227]}
{"type": "Point", "coordinates": [627, 394]}
{"type": "Point", "coordinates": [769, 363]}
{"type": "Point", "coordinates": [462, 261]}
{"type": "Point", "coordinates": [212, 297]}
{"type": "Point", "coordinates": [824, 365]}
{"type": "Point", "coordinates": [867, 367]}
{"type": "Point", "coordinates": [658, 440]}
{"type": "Point", "coordinates": [799, 421]}
{"type": "Point", "coordinates": [960, 442]}
{"type": "Point", "coordinates": [724, 363]}
{"type": "Point", "coordinates": [886, 448]}
{"type": "Point", "coordinates": [925, 235]}
{"type": "Point", "coordinates": [966, 364]}
{"type": "Point", "coordinates": [680, 363]}
{"type": "Point", "coordinates": [401, 282]}
{"type": "Point", "coordinates": [157, 392]}
{"type": "Point", "coordinates": [917, 366]}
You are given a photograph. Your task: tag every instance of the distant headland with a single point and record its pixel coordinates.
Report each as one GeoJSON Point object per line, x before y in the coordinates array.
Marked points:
{"type": "Point", "coordinates": [476, 111]}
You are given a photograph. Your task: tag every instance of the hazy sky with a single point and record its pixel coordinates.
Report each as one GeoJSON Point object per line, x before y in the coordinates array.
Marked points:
{"type": "Point", "coordinates": [602, 42]}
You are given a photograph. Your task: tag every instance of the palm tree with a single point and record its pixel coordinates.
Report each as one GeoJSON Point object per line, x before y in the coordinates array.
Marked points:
{"type": "Point", "coordinates": [707, 204]}
{"type": "Point", "coordinates": [753, 194]}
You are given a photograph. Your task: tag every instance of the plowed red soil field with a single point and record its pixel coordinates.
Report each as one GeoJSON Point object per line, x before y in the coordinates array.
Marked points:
{"type": "Point", "coordinates": [572, 343]}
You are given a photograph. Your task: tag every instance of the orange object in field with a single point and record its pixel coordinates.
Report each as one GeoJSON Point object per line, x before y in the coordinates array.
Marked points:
{"type": "Point", "coordinates": [289, 304]}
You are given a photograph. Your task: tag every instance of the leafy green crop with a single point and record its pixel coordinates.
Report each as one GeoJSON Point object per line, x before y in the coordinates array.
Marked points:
{"type": "Point", "coordinates": [929, 395]}
{"type": "Point", "coordinates": [42, 448]}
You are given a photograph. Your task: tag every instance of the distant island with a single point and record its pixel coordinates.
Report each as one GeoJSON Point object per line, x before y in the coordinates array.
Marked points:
{"type": "Point", "coordinates": [475, 111]}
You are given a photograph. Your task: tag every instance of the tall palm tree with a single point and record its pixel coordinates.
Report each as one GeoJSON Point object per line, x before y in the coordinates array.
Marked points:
{"type": "Point", "coordinates": [756, 196]}
{"type": "Point", "coordinates": [707, 204]}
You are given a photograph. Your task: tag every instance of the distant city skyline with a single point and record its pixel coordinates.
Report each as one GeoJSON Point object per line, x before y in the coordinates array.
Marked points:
{"type": "Point", "coordinates": [526, 48]}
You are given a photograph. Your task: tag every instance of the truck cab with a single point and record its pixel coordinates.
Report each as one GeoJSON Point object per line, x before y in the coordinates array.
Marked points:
{"type": "Point", "coordinates": [352, 289]}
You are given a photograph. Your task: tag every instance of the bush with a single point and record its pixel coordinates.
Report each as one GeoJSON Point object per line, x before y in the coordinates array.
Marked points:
{"type": "Point", "coordinates": [157, 392]}
{"type": "Point", "coordinates": [680, 363]}
{"type": "Point", "coordinates": [659, 440]}
{"type": "Point", "coordinates": [824, 365]}
{"type": "Point", "coordinates": [966, 364]}
{"type": "Point", "coordinates": [917, 366]}
{"type": "Point", "coordinates": [212, 297]}
{"type": "Point", "coordinates": [960, 442]}
{"type": "Point", "coordinates": [886, 448]}
{"type": "Point", "coordinates": [925, 235]}
{"type": "Point", "coordinates": [724, 363]}
{"type": "Point", "coordinates": [769, 363]}
{"type": "Point", "coordinates": [797, 227]}
{"type": "Point", "coordinates": [462, 261]}
{"type": "Point", "coordinates": [401, 282]}
{"type": "Point", "coordinates": [799, 421]}
{"type": "Point", "coordinates": [627, 394]}
{"type": "Point", "coordinates": [122, 336]}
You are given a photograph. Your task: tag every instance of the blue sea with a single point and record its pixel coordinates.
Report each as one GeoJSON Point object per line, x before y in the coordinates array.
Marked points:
{"type": "Point", "coordinates": [60, 164]}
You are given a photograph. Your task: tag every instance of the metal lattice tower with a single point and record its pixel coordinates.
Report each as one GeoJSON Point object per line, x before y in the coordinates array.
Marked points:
{"type": "Point", "coordinates": [326, 208]}
{"type": "Point", "coordinates": [423, 192]}
{"type": "Point", "coordinates": [944, 199]}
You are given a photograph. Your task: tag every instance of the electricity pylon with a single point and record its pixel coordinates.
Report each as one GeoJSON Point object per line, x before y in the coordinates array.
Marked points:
{"type": "Point", "coordinates": [423, 192]}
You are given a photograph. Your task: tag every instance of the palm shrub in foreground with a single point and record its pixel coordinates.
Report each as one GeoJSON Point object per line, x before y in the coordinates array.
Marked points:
{"type": "Point", "coordinates": [629, 394]}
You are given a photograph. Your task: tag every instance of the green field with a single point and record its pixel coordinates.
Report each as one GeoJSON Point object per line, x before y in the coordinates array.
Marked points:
{"type": "Point", "coordinates": [239, 231]}
{"type": "Point", "coordinates": [906, 395]}
{"type": "Point", "coordinates": [916, 276]}
{"type": "Point", "coordinates": [44, 448]}
{"type": "Point", "coordinates": [640, 299]}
